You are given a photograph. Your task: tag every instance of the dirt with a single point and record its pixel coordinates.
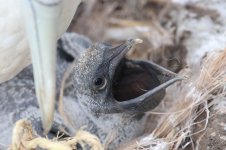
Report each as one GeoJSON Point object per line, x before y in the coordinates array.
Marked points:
{"type": "Point", "coordinates": [214, 135]}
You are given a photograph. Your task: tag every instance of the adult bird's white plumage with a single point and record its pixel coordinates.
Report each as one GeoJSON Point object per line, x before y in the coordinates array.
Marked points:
{"type": "Point", "coordinates": [45, 21]}
{"type": "Point", "coordinates": [14, 49]}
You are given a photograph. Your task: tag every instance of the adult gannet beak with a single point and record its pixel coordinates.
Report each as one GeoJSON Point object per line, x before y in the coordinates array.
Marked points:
{"type": "Point", "coordinates": [42, 19]}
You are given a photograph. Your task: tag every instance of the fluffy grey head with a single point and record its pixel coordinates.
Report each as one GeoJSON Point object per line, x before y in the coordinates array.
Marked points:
{"type": "Point", "coordinates": [93, 75]}
{"type": "Point", "coordinates": [105, 82]}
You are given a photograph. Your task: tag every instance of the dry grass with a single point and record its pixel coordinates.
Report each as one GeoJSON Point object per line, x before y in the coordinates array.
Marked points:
{"type": "Point", "coordinates": [25, 139]}
{"type": "Point", "coordinates": [195, 97]}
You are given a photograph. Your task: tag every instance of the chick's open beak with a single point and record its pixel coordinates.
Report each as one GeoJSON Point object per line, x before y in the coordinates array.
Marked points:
{"type": "Point", "coordinates": [41, 18]}
{"type": "Point", "coordinates": [138, 85]}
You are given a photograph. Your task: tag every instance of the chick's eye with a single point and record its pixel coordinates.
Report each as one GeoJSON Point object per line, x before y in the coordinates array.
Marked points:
{"type": "Point", "coordinates": [100, 83]}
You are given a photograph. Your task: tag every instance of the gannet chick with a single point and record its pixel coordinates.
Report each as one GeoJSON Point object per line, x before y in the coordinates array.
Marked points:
{"type": "Point", "coordinates": [111, 93]}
